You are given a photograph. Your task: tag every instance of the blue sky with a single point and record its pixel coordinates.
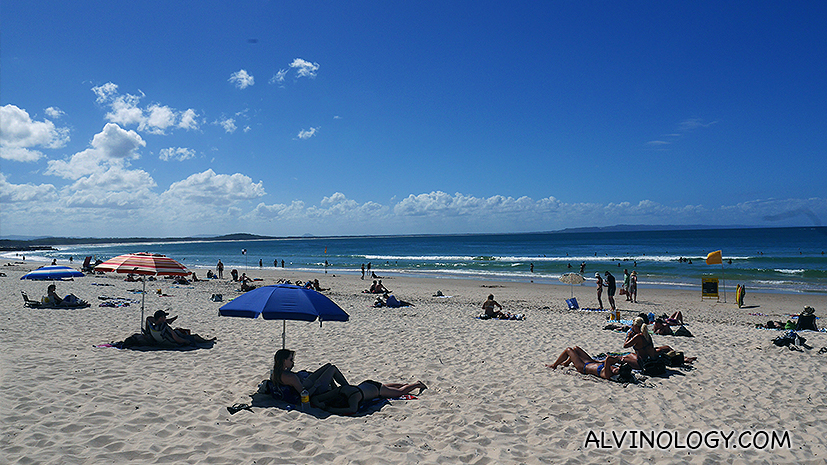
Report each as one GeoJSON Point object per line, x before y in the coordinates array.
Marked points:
{"type": "Point", "coordinates": [288, 118]}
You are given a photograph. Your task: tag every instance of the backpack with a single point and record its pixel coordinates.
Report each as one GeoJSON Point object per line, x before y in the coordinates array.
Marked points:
{"type": "Point", "coordinates": [682, 331]}
{"type": "Point", "coordinates": [654, 367]}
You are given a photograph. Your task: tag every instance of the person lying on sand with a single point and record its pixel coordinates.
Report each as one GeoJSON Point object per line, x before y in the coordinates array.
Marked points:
{"type": "Point", "coordinates": [157, 327]}
{"type": "Point", "coordinates": [320, 381]}
{"type": "Point", "coordinates": [347, 399]}
{"type": "Point", "coordinates": [661, 328]}
{"type": "Point", "coordinates": [584, 363]}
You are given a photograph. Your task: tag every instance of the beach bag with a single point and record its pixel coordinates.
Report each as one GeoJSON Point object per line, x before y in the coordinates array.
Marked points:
{"type": "Point", "coordinates": [682, 331]}
{"type": "Point", "coordinates": [622, 291]}
{"type": "Point", "coordinates": [674, 359]}
{"type": "Point", "coordinates": [654, 367]}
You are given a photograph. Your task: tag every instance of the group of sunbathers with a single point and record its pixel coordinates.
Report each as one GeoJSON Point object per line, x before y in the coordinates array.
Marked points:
{"type": "Point", "coordinates": [377, 288]}
{"type": "Point", "coordinates": [637, 338]}
{"type": "Point", "coordinates": [327, 387]}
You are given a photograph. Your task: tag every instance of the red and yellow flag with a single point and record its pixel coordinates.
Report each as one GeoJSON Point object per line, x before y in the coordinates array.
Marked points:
{"type": "Point", "coordinates": [714, 258]}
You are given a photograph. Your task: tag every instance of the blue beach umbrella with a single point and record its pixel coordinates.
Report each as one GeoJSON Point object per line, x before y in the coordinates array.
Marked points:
{"type": "Point", "coordinates": [52, 273]}
{"type": "Point", "coordinates": [284, 302]}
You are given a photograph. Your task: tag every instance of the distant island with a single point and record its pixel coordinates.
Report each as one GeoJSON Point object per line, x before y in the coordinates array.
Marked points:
{"type": "Point", "coordinates": [47, 243]}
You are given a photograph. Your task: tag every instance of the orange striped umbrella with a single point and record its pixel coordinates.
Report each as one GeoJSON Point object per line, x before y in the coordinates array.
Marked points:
{"type": "Point", "coordinates": [143, 263]}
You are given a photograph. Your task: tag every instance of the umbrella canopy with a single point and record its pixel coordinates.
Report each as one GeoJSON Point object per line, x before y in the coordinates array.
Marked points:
{"type": "Point", "coordinates": [284, 302]}
{"type": "Point", "coordinates": [52, 273]}
{"type": "Point", "coordinates": [143, 263]}
{"type": "Point", "coordinates": [571, 279]}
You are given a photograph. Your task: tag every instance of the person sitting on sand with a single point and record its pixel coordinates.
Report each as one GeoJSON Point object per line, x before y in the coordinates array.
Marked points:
{"type": "Point", "coordinates": [318, 382]}
{"type": "Point", "coordinates": [639, 338]}
{"type": "Point", "coordinates": [245, 283]}
{"type": "Point", "coordinates": [380, 288]}
{"type": "Point", "coordinates": [489, 305]}
{"type": "Point", "coordinates": [584, 363]}
{"type": "Point", "coordinates": [55, 300]}
{"type": "Point", "coordinates": [234, 274]}
{"type": "Point", "coordinates": [347, 399]}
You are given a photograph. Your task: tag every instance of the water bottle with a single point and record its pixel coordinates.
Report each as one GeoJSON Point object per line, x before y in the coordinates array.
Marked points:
{"type": "Point", "coordinates": [797, 341]}
{"type": "Point", "coordinates": [305, 400]}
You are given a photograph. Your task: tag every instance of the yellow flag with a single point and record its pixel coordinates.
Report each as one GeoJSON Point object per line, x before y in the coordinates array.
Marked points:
{"type": "Point", "coordinates": [714, 258]}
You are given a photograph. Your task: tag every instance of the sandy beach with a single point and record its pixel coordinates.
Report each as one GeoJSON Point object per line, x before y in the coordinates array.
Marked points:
{"type": "Point", "coordinates": [490, 397]}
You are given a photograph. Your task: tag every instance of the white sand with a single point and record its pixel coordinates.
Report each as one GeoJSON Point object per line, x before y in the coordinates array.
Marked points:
{"type": "Point", "coordinates": [490, 397]}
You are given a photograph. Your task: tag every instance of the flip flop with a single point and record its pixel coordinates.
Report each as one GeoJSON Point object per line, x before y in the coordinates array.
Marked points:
{"type": "Point", "coordinates": [238, 407]}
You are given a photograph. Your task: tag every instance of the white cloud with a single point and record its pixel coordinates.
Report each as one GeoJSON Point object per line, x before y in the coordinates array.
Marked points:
{"type": "Point", "coordinates": [188, 120]}
{"type": "Point", "coordinates": [111, 147]}
{"type": "Point", "coordinates": [54, 112]}
{"type": "Point", "coordinates": [209, 188]}
{"type": "Point", "coordinates": [241, 79]}
{"type": "Point", "coordinates": [307, 134]}
{"type": "Point", "coordinates": [105, 92]}
{"type": "Point", "coordinates": [278, 77]}
{"type": "Point", "coordinates": [154, 119]}
{"type": "Point", "coordinates": [228, 124]}
{"type": "Point", "coordinates": [25, 192]}
{"type": "Point", "coordinates": [176, 153]}
{"type": "Point", "coordinates": [18, 134]}
{"type": "Point", "coordinates": [304, 68]}
{"type": "Point", "coordinates": [693, 123]}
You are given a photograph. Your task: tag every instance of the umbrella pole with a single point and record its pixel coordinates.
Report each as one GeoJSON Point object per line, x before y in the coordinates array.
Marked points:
{"type": "Point", "coordinates": [284, 334]}
{"type": "Point", "coordinates": [143, 298]}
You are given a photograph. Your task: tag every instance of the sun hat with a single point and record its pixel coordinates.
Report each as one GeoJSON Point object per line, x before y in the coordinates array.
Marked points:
{"type": "Point", "coordinates": [808, 310]}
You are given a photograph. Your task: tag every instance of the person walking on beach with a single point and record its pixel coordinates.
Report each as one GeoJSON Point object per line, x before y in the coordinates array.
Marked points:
{"type": "Point", "coordinates": [582, 267]}
{"type": "Point", "coordinates": [220, 269]}
{"type": "Point", "coordinates": [363, 271]}
{"type": "Point", "coordinates": [611, 288]}
{"type": "Point", "coordinates": [599, 290]}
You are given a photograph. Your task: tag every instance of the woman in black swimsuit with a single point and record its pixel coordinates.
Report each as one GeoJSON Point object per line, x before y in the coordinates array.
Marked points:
{"type": "Point", "coordinates": [346, 399]}
{"type": "Point", "coordinates": [639, 338]}
{"type": "Point", "coordinates": [321, 380]}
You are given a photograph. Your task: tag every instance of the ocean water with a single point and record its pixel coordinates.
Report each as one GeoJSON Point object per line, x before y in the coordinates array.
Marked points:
{"type": "Point", "coordinates": [768, 259]}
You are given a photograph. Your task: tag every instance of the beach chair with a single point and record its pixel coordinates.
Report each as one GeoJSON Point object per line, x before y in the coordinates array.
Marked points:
{"type": "Point", "coordinates": [29, 302]}
{"type": "Point", "coordinates": [87, 265]}
{"type": "Point", "coordinates": [572, 303]}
